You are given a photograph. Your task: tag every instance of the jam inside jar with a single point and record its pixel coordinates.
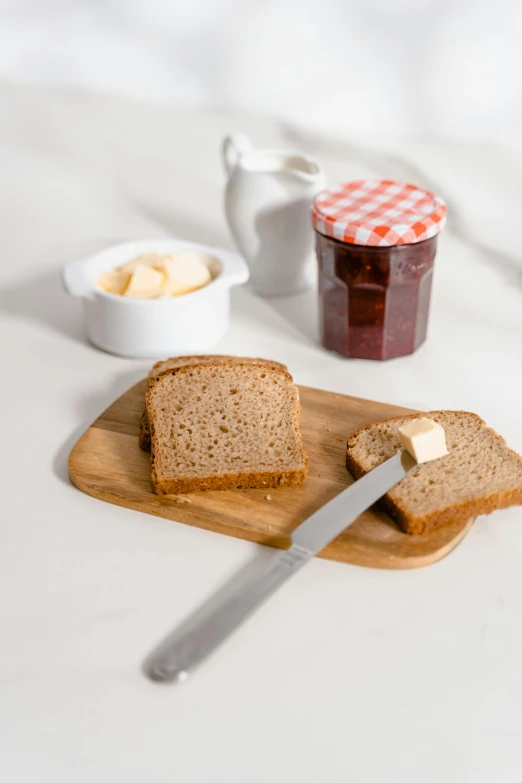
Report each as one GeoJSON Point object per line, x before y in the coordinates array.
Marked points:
{"type": "Point", "coordinates": [374, 301]}
{"type": "Point", "coordinates": [376, 242]}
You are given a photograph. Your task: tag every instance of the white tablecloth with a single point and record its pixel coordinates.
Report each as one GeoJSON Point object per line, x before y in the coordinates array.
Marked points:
{"type": "Point", "coordinates": [348, 673]}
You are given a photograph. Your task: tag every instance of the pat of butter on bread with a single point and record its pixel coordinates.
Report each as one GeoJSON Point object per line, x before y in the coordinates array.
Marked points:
{"type": "Point", "coordinates": [424, 439]}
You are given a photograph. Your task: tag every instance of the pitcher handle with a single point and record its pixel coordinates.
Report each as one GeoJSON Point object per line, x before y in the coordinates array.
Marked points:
{"type": "Point", "coordinates": [234, 146]}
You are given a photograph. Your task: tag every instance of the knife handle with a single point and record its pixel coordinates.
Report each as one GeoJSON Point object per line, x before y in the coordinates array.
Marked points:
{"type": "Point", "coordinates": [177, 655]}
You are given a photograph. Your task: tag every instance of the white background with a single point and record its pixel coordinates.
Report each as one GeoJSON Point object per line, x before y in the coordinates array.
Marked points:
{"type": "Point", "coordinates": [378, 67]}
{"type": "Point", "coordinates": [349, 674]}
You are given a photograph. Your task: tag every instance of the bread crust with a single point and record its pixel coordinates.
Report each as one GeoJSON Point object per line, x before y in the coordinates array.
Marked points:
{"type": "Point", "coordinates": [246, 479]}
{"type": "Point", "coordinates": [239, 480]}
{"type": "Point", "coordinates": [144, 432]}
{"type": "Point", "coordinates": [455, 513]}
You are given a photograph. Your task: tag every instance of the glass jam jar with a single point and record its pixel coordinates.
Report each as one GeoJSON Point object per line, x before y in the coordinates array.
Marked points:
{"type": "Point", "coordinates": [376, 242]}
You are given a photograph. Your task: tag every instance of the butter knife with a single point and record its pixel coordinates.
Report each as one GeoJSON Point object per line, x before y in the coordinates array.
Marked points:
{"type": "Point", "coordinates": [178, 654]}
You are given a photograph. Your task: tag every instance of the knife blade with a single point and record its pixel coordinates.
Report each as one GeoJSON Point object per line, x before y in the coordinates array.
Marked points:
{"type": "Point", "coordinates": [178, 654]}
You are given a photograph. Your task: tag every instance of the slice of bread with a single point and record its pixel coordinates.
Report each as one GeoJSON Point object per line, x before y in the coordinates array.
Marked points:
{"type": "Point", "coordinates": [224, 426]}
{"type": "Point", "coordinates": [163, 366]}
{"type": "Point", "coordinates": [182, 361]}
{"type": "Point", "coordinates": [479, 475]}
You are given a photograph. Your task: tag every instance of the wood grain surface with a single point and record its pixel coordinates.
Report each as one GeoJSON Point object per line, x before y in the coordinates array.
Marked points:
{"type": "Point", "coordinates": [108, 464]}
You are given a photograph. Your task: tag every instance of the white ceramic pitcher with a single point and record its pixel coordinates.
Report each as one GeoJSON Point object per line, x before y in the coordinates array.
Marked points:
{"type": "Point", "coordinates": [267, 203]}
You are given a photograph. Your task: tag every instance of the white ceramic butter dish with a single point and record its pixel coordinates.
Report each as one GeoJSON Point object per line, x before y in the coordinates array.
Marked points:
{"type": "Point", "coordinates": [150, 328]}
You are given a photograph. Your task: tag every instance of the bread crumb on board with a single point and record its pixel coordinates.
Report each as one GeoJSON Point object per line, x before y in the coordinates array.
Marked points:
{"type": "Point", "coordinates": [268, 497]}
{"type": "Point", "coordinates": [181, 499]}
{"type": "Point", "coordinates": [341, 440]}
{"type": "Point", "coordinates": [328, 429]}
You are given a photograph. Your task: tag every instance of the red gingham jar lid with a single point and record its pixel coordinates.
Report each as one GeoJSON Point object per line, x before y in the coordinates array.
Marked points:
{"type": "Point", "coordinates": [378, 212]}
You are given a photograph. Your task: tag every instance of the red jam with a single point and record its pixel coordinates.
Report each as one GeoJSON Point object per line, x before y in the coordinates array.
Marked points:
{"type": "Point", "coordinates": [374, 301]}
{"type": "Point", "coordinates": [376, 242]}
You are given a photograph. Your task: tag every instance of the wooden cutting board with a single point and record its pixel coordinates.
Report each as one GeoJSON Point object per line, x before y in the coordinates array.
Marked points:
{"type": "Point", "coordinates": [108, 464]}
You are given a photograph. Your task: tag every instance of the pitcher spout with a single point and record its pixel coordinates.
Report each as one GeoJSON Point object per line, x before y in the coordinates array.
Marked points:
{"type": "Point", "coordinates": [302, 167]}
